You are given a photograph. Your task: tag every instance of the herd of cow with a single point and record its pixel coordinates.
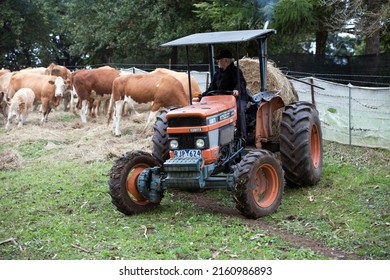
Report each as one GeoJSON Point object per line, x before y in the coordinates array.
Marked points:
{"type": "Point", "coordinates": [121, 92]}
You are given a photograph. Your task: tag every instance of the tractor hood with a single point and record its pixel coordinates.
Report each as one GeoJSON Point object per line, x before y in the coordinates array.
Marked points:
{"type": "Point", "coordinates": [208, 106]}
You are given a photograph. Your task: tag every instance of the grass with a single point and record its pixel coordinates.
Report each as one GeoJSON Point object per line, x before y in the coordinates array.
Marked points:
{"type": "Point", "coordinates": [67, 214]}
{"type": "Point", "coordinates": [60, 209]}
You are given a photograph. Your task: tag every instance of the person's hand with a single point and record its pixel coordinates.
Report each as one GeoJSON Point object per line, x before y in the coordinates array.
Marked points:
{"type": "Point", "coordinates": [235, 92]}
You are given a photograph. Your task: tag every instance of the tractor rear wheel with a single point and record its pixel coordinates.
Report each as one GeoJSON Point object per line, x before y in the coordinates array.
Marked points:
{"type": "Point", "coordinates": [259, 184]}
{"type": "Point", "coordinates": [301, 144]}
{"type": "Point", "coordinates": [123, 182]}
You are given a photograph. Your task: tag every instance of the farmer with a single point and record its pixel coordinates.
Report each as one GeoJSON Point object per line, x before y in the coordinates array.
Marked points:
{"type": "Point", "coordinates": [230, 78]}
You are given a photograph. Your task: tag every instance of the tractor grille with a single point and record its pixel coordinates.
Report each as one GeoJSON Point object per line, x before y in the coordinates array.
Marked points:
{"type": "Point", "coordinates": [183, 122]}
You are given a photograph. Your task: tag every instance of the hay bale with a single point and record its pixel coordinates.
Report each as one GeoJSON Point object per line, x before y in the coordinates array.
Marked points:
{"type": "Point", "coordinates": [10, 160]}
{"type": "Point", "coordinates": [276, 80]}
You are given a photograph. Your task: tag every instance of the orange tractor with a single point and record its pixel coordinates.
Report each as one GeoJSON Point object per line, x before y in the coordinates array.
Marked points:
{"type": "Point", "coordinates": [197, 147]}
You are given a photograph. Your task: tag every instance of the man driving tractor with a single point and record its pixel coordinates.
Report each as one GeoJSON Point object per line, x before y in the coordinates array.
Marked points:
{"type": "Point", "coordinates": [230, 78]}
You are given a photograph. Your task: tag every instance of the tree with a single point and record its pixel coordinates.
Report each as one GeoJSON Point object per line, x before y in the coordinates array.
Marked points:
{"type": "Point", "coordinates": [229, 15]}
{"type": "Point", "coordinates": [24, 30]}
{"type": "Point", "coordinates": [302, 19]}
{"type": "Point", "coordinates": [374, 20]}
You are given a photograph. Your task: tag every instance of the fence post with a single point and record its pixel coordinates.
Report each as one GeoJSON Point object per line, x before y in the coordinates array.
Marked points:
{"type": "Point", "coordinates": [350, 113]}
{"type": "Point", "coordinates": [312, 91]}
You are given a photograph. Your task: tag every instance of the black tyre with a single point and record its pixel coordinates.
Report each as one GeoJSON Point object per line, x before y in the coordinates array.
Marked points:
{"type": "Point", "coordinates": [301, 144]}
{"type": "Point", "coordinates": [122, 182]}
{"type": "Point", "coordinates": [160, 149]}
{"type": "Point", "coordinates": [259, 184]}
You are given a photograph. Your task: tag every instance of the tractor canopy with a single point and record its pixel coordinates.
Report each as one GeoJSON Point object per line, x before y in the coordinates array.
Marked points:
{"type": "Point", "coordinates": [221, 37]}
{"type": "Point", "coordinates": [225, 37]}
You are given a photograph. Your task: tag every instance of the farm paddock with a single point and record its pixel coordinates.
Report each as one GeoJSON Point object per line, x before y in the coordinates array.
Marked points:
{"type": "Point", "coordinates": [54, 203]}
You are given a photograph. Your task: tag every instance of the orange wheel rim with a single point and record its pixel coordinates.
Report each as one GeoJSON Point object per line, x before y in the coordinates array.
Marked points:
{"type": "Point", "coordinates": [131, 184]}
{"type": "Point", "coordinates": [315, 146]}
{"type": "Point", "coordinates": [267, 185]}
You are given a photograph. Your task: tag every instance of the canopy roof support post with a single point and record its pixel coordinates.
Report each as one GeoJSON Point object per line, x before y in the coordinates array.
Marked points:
{"type": "Point", "coordinates": [212, 62]}
{"type": "Point", "coordinates": [189, 73]}
{"type": "Point", "coordinates": [262, 52]}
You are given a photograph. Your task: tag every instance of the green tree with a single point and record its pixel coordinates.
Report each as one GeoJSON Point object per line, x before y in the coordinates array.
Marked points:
{"type": "Point", "coordinates": [24, 33]}
{"type": "Point", "coordinates": [230, 15]}
{"type": "Point", "coordinates": [302, 20]}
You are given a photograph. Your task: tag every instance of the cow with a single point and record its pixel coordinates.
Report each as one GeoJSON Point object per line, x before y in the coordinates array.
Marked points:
{"type": "Point", "coordinates": [58, 70]}
{"type": "Point", "coordinates": [48, 89]}
{"type": "Point", "coordinates": [183, 79]}
{"type": "Point", "coordinates": [62, 71]}
{"type": "Point", "coordinates": [37, 70]}
{"type": "Point", "coordinates": [20, 105]}
{"type": "Point", "coordinates": [4, 71]}
{"type": "Point", "coordinates": [92, 84]}
{"type": "Point", "coordinates": [153, 90]}
{"type": "Point", "coordinates": [4, 85]}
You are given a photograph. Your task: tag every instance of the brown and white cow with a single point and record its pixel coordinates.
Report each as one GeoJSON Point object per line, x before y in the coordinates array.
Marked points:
{"type": "Point", "coordinates": [4, 86]}
{"type": "Point", "coordinates": [153, 90]}
{"type": "Point", "coordinates": [48, 89]}
{"type": "Point", "coordinates": [62, 71]}
{"type": "Point", "coordinates": [93, 84]}
{"type": "Point", "coordinates": [37, 70]}
{"type": "Point", "coordinates": [4, 71]}
{"type": "Point", "coordinates": [183, 79]}
{"type": "Point", "coordinates": [20, 105]}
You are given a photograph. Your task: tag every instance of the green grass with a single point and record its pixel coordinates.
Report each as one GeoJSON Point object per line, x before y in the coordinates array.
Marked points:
{"type": "Point", "coordinates": [67, 214]}
{"type": "Point", "coordinates": [61, 210]}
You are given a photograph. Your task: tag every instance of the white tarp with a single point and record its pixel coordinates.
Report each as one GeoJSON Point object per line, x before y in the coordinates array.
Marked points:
{"type": "Point", "coordinates": [349, 114]}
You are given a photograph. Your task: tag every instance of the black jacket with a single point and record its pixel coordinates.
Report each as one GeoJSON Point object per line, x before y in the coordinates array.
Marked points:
{"type": "Point", "coordinates": [227, 80]}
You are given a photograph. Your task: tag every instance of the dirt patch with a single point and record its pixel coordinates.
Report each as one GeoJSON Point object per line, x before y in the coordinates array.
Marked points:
{"type": "Point", "coordinates": [211, 206]}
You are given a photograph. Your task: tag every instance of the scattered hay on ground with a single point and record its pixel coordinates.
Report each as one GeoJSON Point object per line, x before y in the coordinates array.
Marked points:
{"type": "Point", "coordinates": [76, 141]}
{"type": "Point", "coordinates": [10, 160]}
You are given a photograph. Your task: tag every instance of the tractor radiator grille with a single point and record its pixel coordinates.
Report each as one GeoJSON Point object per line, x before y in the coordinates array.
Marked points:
{"type": "Point", "coordinates": [183, 122]}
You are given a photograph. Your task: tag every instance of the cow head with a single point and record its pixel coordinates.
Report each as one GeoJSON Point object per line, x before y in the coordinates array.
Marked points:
{"type": "Point", "coordinates": [60, 86]}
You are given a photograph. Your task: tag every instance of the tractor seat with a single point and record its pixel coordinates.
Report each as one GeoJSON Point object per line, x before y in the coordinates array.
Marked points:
{"type": "Point", "coordinates": [264, 95]}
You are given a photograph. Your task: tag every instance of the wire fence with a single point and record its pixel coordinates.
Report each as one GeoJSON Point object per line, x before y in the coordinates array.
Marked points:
{"type": "Point", "coordinates": [364, 70]}
{"type": "Point", "coordinates": [350, 114]}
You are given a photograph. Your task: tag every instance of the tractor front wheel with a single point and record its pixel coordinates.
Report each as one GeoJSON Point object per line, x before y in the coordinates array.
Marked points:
{"type": "Point", "coordinates": [259, 184]}
{"type": "Point", "coordinates": [123, 182]}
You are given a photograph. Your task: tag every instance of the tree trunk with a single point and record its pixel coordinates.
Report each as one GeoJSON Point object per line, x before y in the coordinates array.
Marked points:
{"type": "Point", "coordinates": [372, 26]}
{"type": "Point", "coordinates": [321, 38]}
{"type": "Point", "coordinates": [174, 55]}
{"type": "Point", "coordinates": [372, 43]}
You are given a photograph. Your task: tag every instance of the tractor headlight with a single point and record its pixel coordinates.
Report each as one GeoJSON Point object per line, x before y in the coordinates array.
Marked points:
{"type": "Point", "coordinates": [199, 143]}
{"type": "Point", "coordinates": [173, 144]}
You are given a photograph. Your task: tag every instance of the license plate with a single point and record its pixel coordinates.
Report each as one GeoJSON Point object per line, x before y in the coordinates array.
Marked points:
{"type": "Point", "coordinates": [187, 153]}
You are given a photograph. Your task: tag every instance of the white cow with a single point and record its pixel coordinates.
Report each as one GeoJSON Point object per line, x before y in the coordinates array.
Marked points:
{"type": "Point", "coordinates": [20, 105]}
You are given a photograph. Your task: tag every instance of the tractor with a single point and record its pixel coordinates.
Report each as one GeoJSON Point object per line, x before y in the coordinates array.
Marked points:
{"type": "Point", "coordinates": [197, 147]}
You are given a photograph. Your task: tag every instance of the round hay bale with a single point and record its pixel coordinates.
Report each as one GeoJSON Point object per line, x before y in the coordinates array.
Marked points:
{"type": "Point", "coordinates": [10, 160]}
{"type": "Point", "coordinates": [276, 80]}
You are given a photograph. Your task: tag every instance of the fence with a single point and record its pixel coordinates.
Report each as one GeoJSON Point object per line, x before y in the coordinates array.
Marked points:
{"type": "Point", "coordinates": [349, 114]}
